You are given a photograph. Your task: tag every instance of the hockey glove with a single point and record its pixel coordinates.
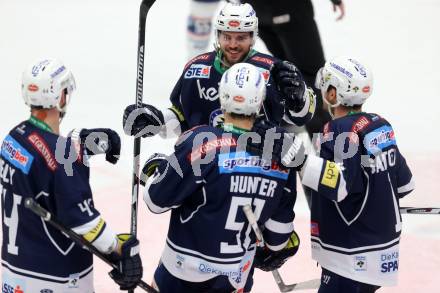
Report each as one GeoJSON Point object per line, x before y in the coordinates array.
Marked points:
{"type": "Point", "coordinates": [290, 83]}
{"type": "Point", "coordinates": [151, 165]}
{"type": "Point", "coordinates": [287, 149]}
{"type": "Point", "coordinates": [268, 260]}
{"type": "Point", "coordinates": [128, 261]}
{"type": "Point", "coordinates": [145, 121]}
{"type": "Point", "coordinates": [99, 141]}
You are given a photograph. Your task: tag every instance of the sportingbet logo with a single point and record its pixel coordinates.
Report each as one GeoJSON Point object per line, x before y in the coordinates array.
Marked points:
{"type": "Point", "coordinates": [379, 139]}
{"type": "Point", "coordinates": [14, 153]}
{"type": "Point", "coordinates": [252, 161]}
{"type": "Point", "coordinates": [198, 71]}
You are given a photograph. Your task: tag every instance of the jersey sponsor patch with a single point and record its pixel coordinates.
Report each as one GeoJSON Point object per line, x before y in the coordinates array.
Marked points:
{"type": "Point", "coordinates": [17, 155]}
{"type": "Point", "coordinates": [13, 285]}
{"type": "Point", "coordinates": [216, 118]}
{"type": "Point", "coordinates": [265, 60]}
{"type": "Point", "coordinates": [314, 228]}
{"type": "Point", "coordinates": [243, 162]}
{"type": "Point", "coordinates": [203, 57]}
{"type": "Point", "coordinates": [331, 175]}
{"type": "Point", "coordinates": [198, 71]}
{"type": "Point", "coordinates": [360, 263]}
{"type": "Point", "coordinates": [389, 262]}
{"type": "Point", "coordinates": [95, 232]}
{"type": "Point", "coordinates": [40, 145]}
{"type": "Point", "coordinates": [265, 73]}
{"type": "Point", "coordinates": [379, 139]}
{"type": "Point", "coordinates": [211, 146]}
{"type": "Point", "coordinates": [358, 125]}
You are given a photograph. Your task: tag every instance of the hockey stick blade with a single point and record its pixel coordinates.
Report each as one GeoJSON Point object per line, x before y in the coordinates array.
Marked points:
{"type": "Point", "coordinates": [32, 205]}
{"type": "Point", "coordinates": [420, 211]}
{"type": "Point", "coordinates": [311, 284]}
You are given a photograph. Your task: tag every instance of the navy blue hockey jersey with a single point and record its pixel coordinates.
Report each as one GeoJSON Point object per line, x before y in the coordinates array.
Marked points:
{"type": "Point", "coordinates": [195, 96]}
{"type": "Point", "coordinates": [30, 167]}
{"type": "Point", "coordinates": [206, 183]}
{"type": "Point", "coordinates": [355, 217]}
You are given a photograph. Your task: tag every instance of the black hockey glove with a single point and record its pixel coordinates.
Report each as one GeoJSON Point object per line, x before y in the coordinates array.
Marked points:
{"type": "Point", "coordinates": [145, 121]}
{"type": "Point", "coordinates": [287, 149]}
{"type": "Point", "coordinates": [129, 263]}
{"type": "Point", "coordinates": [96, 141]}
{"type": "Point", "coordinates": [151, 165]}
{"type": "Point", "coordinates": [268, 260]}
{"type": "Point", "coordinates": [290, 83]}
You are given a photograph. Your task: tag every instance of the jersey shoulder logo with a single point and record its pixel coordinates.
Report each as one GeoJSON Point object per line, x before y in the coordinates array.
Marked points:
{"type": "Point", "coordinates": [380, 138]}
{"type": "Point", "coordinates": [41, 146]}
{"type": "Point", "coordinates": [198, 71]}
{"type": "Point", "coordinates": [16, 154]}
{"type": "Point", "coordinates": [265, 60]}
{"type": "Point", "coordinates": [202, 57]}
{"type": "Point", "coordinates": [266, 74]}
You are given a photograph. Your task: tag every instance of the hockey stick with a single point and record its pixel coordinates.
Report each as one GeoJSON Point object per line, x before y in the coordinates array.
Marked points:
{"type": "Point", "coordinates": [311, 284]}
{"type": "Point", "coordinates": [31, 204]}
{"type": "Point", "coordinates": [420, 211]}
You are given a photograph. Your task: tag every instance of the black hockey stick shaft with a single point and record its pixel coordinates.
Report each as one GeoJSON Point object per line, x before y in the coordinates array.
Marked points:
{"type": "Point", "coordinates": [32, 205]}
{"type": "Point", "coordinates": [420, 211]}
{"type": "Point", "coordinates": [143, 11]}
{"type": "Point", "coordinates": [311, 284]}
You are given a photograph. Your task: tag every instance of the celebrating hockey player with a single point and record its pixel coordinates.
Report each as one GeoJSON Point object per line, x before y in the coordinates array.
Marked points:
{"type": "Point", "coordinates": [358, 179]}
{"type": "Point", "coordinates": [195, 97]}
{"type": "Point", "coordinates": [210, 246]}
{"type": "Point", "coordinates": [36, 162]}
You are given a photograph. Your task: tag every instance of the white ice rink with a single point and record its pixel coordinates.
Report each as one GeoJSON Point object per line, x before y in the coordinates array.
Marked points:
{"type": "Point", "coordinates": [97, 39]}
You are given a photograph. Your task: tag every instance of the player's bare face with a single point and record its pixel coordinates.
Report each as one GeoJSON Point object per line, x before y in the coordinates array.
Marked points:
{"type": "Point", "coordinates": [235, 46]}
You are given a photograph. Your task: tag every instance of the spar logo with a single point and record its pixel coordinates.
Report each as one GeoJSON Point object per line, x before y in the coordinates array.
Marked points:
{"type": "Point", "coordinates": [389, 262]}
{"type": "Point", "coordinates": [14, 153]}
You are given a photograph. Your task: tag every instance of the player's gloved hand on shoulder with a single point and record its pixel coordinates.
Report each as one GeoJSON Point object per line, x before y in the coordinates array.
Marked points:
{"type": "Point", "coordinates": [287, 149]}
{"type": "Point", "coordinates": [151, 165]}
{"type": "Point", "coordinates": [128, 261]}
{"type": "Point", "coordinates": [268, 260]}
{"type": "Point", "coordinates": [290, 83]}
{"type": "Point", "coordinates": [96, 141]}
{"type": "Point", "coordinates": [146, 121]}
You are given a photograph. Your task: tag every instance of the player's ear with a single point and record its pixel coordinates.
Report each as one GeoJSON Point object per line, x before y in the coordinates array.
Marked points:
{"type": "Point", "coordinates": [331, 95]}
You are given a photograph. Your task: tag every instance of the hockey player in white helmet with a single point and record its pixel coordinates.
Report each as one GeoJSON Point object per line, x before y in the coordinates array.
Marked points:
{"type": "Point", "coordinates": [358, 179]}
{"type": "Point", "coordinates": [37, 162]}
{"type": "Point", "coordinates": [195, 97]}
{"type": "Point", "coordinates": [210, 246]}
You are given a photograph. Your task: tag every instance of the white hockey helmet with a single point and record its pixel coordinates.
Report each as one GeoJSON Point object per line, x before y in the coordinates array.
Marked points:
{"type": "Point", "coordinates": [43, 83]}
{"type": "Point", "coordinates": [242, 90]}
{"type": "Point", "coordinates": [352, 80]}
{"type": "Point", "coordinates": [236, 18]}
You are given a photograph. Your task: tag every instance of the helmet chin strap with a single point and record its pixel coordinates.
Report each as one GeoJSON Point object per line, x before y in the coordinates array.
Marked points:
{"type": "Point", "coordinates": [330, 107]}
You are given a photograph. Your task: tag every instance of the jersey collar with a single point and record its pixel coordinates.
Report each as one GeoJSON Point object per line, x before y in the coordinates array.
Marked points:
{"type": "Point", "coordinates": [40, 124]}
{"type": "Point", "coordinates": [231, 128]}
{"type": "Point", "coordinates": [220, 66]}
